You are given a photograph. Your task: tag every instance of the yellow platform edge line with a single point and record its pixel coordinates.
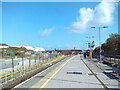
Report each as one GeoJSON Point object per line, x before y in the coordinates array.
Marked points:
{"type": "Point", "coordinates": [56, 72]}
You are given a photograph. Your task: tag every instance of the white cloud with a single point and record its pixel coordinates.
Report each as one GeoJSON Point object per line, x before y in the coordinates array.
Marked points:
{"type": "Point", "coordinates": [101, 15]}
{"type": "Point", "coordinates": [104, 13]}
{"type": "Point", "coordinates": [46, 32]}
{"type": "Point", "coordinates": [86, 15]}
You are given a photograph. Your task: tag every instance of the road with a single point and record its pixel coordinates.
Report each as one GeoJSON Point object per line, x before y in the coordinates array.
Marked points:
{"type": "Point", "coordinates": [72, 72]}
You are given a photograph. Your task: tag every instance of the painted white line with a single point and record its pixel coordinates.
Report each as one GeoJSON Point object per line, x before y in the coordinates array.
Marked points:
{"type": "Point", "coordinates": [34, 76]}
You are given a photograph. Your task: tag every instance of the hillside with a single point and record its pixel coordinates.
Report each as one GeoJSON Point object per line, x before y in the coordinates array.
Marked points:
{"type": "Point", "coordinates": [3, 44]}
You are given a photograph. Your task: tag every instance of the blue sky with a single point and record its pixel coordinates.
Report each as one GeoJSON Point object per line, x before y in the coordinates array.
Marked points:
{"type": "Point", "coordinates": [50, 24]}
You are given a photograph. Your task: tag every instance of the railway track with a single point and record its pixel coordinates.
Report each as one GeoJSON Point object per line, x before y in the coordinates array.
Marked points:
{"type": "Point", "coordinates": [97, 77]}
{"type": "Point", "coordinates": [112, 61]}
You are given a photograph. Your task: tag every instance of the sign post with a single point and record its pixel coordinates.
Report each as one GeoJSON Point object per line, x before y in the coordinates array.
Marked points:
{"type": "Point", "coordinates": [91, 45]}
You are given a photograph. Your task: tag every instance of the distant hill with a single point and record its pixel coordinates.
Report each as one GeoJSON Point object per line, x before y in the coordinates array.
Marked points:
{"type": "Point", "coordinates": [3, 44]}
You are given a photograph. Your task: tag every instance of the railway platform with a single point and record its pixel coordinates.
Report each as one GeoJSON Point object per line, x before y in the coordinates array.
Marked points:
{"type": "Point", "coordinates": [73, 72]}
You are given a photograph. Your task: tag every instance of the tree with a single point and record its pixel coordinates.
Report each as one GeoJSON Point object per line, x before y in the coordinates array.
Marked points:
{"type": "Point", "coordinates": [111, 46]}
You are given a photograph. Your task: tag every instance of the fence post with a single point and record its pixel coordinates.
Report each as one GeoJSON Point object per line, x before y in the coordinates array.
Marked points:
{"type": "Point", "coordinates": [12, 65]}
{"type": "Point", "coordinates": [35, 59]}
{"type": "Point", "coordinates": [39, 58]}
{"type": "Point", "coordinates": [22, 71]}
{"type": "Point", "coordinates": [35, 63]}
{"type": "Point", "coordinates": [44, 58]}
{"type": "Point", "coordinates": [22, 64]}
{"type": "Point", "coordinates": [50, 55]}
{"type": "Point", "coordinates": [29, 63]}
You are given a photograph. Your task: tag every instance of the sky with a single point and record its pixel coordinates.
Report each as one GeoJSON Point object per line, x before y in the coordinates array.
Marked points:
{"type": "Point", "coordinates": [61, 25]}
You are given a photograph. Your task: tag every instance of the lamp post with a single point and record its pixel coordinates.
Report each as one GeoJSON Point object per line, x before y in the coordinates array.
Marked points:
{"type": "Point", "coordinates": [100, 38]}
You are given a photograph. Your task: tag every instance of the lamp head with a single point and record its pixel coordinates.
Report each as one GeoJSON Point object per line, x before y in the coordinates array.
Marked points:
{"type": "Point", "coordinates": [105, 27]}
{"type": "Point", "coordinates": [93, 27]}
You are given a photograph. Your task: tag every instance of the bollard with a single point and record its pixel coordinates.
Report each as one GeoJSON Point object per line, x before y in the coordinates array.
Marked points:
{"type": "Point", "coordinates": [90, 55]}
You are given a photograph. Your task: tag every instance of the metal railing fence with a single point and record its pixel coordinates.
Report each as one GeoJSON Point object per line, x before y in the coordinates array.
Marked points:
{"type": "Point", "coordinates": [26, 65]}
